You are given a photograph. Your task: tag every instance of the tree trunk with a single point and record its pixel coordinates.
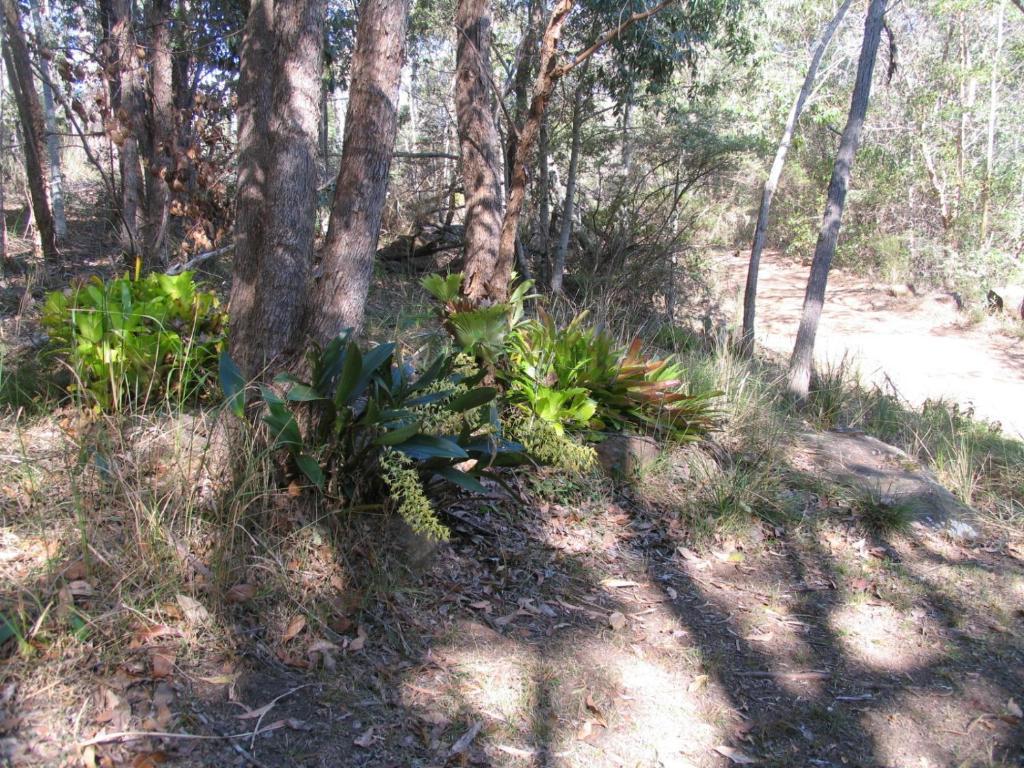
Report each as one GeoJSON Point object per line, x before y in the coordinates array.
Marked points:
{"type": "Point", "coordinates": [19, 70]}
{"type": "Point", "coordinates": [371, 124]}
{"type": "Point", "coordinates": [128, 126]}
{"type": "Point", "coordinates": [558, 267]}
{"type": "Point", "coordinates": [479, 147]}
{"type": "Point", "coordinates": [801, 363]}
{"type": "Point", "coordinates": [495, 287]}
{"type": "Point", "coordinates": [41, 21]}
{"type": "Point", "coordinates": [279, 95]}
{"type": "Point", "coordinates": [772, 183]}
{"type": "Point", "coordinates": [544, 204]}
{"type": "Point", "coordinates": [993, 110]}
{"type": "Point", "coordinates": [162, 133]}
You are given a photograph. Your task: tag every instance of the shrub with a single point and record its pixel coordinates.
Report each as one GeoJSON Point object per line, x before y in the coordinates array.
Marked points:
{"type": "Point", "coordinates": [580, 376]}
{"type": "Point", "coordinates": [126, 340]}
{"type": "Point", "coordinates": [367, 426]}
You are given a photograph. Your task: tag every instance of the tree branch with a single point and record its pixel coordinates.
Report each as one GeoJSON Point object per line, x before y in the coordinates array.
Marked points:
{"type": "Point", "coordinates": [613, 32]}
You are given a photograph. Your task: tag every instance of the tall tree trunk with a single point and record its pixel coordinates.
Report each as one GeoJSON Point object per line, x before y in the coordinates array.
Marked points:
{"type": "Point", "coordinates": [41, 21]}
{"type": "Point", "coordinates": [993, 110]}
{"type": "Point", "coordinates": [129, 110]}
{"type": "Point", "coordinates": [3, 185]}
{"type": "Point", "coordinates": [19, 71]}
{"type": "Point", "coordinates": [772, 183]}
{"type": "Point", "coordinates": [371, 124]}
{"type": "Point", "coordinates": [495, 287]}
{"type": "Point", "coordinates": [544, 204]}
{"type": "Point", "coordinates": [255, 89]}
{"type": "Point", "coordinates": [562, 250]}
{"type": "Point", "coordinates": [801, 363]}
{"type": "Point", "coordinates": [479, 147]}
{"type": "Point", "coordinates": [279, 95]}
{"type": "Point", "coordinates": [162, 132]}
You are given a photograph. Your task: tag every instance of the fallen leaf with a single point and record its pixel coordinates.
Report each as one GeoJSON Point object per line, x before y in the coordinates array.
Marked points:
{"type": "Point", "coordinates": [193, 611]}
{"type": "Point", "coordinates": [295, 626]}
{"type": "Point", "coordinates": [366, 740]}
{"type": "Point", "coordinates": [359, 641]}
{"type": "Point", "coordinates": [697, 683]}
{"type": "Point", "coordinates": [240, 593]}
{"type": "Point", "coordinates": [465, 739]}
{"type": "Point", "coordinates": [89, 756]}
{"type": "Point", "coordinates": [294, 489]}
{"type": "Point", "coordinates": [616, 621]}
{"type": "Point", "coordinates": [737, 757]}
{"type": "Point", "coordinates": [1014, 708]}
{"type": "Point", "coordinates": [618, 583]}
{"type": "Point", "coordinates": [149, 759]}
{"type": "Point", "coordinates": [255, 714]}
{"type": "Point", "coordinates": [80, 588]}
{"type": "Point", "coordinates": [162, 661]}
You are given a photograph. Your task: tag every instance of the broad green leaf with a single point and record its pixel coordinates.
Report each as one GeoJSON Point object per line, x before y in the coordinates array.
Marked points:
{"type": "Point", "coordinates": [399, 435]}
{"type": "Point", "coordinates": [462, 479]}
{"type": "Point", "coordinates": [431, 447]}
{"type": "Point", "coordinates": [311, 469]}
{"type": "Point", "coordinates": [232, 384]}
{"type": "Point", "coordinates": [474, 398]}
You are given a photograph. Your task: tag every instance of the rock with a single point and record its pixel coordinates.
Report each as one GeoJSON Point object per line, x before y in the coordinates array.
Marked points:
{"type": "Point", "coordinates": [625, 456]}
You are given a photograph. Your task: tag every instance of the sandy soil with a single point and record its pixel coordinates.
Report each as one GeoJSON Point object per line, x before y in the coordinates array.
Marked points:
{"type": "Point", "coordinates": [921, 342]}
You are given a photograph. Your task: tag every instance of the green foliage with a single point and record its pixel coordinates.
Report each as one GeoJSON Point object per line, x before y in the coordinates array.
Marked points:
{"type": "Point", "coordinates": [580, 376]}
{"type": "Point", "coordinates": [126, 340]}
{"type": "Point", "coordinates": [546, 442]}
{"type": "Point", "coordinates": [477, 330]}
{"type": "Point", "coordinates": [366, 424]}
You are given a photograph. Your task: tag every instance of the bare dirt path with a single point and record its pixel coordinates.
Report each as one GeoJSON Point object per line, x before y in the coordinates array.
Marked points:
{"type": "Point", "coordinates": [921, 342]}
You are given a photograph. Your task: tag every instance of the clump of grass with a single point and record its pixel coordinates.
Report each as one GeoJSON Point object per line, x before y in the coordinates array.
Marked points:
{"type": "Point", "coordinates": [831, 389]}
{"type": "Point", "coordinates": [881, 513]}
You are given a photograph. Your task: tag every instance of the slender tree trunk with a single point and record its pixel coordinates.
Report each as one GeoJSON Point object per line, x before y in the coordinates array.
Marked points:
{"type": "Point", "coordinates": [19, 70]}
{"type": "Point", "coordinates": [544, 204]}
{"type": "Point", "coordinates": [279, 95]}
{"type": "Point", "coordinates": [993, 110]}
{"type": "Point", "coordinates": [162, 132]}
{"type": "Point", "coordinates": [129, 113]}
{"type": "Point", "coordinates": [562, 250]}
{"type": "Point", "coordinates": [495, 287]}
{"type": "Point", "coordinates": [3, 185]}
{"type": "Point", "coordinates": [479, 147]}
{"type": "Point", "coordinates": [41, 21]}
{"type": "Point", "coordinates": [772, 182]}
{"type": "Point", "coordinates": [801, 363]}
{"type": "Point", "coordinates": [370, 127]}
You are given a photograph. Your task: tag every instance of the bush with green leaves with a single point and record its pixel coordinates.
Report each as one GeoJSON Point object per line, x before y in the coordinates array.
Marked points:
{"type": "Point", "coordinates": [135, 341]}
{"type": "Point", "coordinates": [366, 425]}
{"type": "Point", "coordinates": [480, 331]}
{"type": "Point", "coordinates": [579, 376]}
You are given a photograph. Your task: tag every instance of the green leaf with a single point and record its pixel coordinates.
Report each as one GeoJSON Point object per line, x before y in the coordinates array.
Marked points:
{"type": "Point", "coordinates": [311, 469]}
{"type": "Point", "coordinates": [431, 447]}
{"type": "Point", "coordinates": [462, 479]}
{"type": "Point", "coordinates": [232, 384]}
{"type": "Point", "coordinates": [399, 435]}
{"type": "Point", "coordinates": [303, 393]}
{"type": "Point", "coordinates": [474, 398]}
{"type": "Point", "coordinates": [351, 370]}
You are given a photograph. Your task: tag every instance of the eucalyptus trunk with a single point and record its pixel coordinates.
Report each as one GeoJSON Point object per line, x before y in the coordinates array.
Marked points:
{"type": "Point", "coordinates": [772, 183]}
{"type": "Point", "coordinates": [41, 21]}
{"type": "Point", "coordinates": [802, 361]}
{"type": "Point", "coordinates": [371, 123]}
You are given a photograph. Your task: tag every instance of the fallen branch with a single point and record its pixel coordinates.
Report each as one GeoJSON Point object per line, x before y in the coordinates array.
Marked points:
{"type": "Point", "coordinates": [177, 269]}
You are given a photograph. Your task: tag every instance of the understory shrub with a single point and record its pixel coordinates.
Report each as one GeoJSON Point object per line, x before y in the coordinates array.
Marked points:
{"type": "Point", "coordinates": [367, 426]}
{"type": "Point", "coordinates": [133, 341]}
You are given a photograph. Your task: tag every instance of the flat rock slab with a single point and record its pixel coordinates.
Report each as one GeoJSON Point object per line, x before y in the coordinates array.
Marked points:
{"type": "Point", "coordinates": [864, 463]}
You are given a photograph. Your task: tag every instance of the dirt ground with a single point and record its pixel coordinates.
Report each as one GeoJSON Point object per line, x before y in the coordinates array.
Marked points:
{"type": "Point", "coordinates": [921, 342]}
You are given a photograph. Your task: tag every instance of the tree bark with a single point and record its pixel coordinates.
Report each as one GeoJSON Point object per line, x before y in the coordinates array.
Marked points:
{"type": "Point", "coordinates": [371, 124]}
{"type": "Point", "coordinates": [162, 133]}
{"type": "Point", "coordinates": [993, 111]}
{"type": "Point", "coordinates": [772, 182]}
{"type": "Point", "coordinates": [279, 96]}
{"type": "Point", "coordinates": [480, 149]}
{"type": "Point", "coordinates": [19, 70]}
{"type": "Point", "coordinates": [41, 21]}
{"type": "Point", "coordinates": [129, 109]}
{"type": "Point", "coordinates": [801, 363]}
{"type": "Point", "coordinates": [565, 232]}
